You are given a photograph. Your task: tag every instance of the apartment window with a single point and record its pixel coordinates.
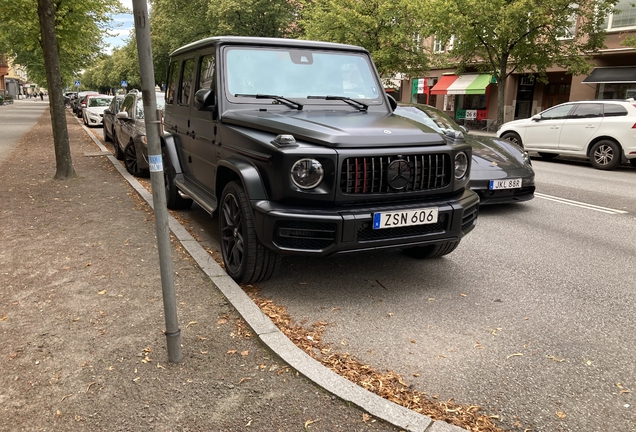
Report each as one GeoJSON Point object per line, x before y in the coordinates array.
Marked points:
{"type": "Point", "coordinates": [624, 16]}
{"type": "Point", "coordinates": [439, 47]}
{"type": "Point", "coordinates": [569, 31]}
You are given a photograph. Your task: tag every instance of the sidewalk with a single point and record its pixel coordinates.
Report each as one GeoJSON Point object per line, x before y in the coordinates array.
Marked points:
{"type": "Point", "coordinates": [81, 319]}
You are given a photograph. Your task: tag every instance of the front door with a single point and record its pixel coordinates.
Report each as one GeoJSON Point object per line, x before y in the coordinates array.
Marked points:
{"type": "Point", "coordinates": [580, 126]}
{"type": "Point", "coordinates": [544, 133]}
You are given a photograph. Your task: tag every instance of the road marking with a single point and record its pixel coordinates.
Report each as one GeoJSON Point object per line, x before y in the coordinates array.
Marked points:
{"type": "Point", "coordinates": [580, 204]}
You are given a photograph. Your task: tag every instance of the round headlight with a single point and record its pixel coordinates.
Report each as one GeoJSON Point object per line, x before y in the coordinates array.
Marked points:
{"type": "Point", "coordinates": [461, 165]}
{"type": "Point", "coordinates": [307, 173]}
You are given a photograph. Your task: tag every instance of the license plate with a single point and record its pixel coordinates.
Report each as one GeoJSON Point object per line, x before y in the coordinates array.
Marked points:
{"type": "Point", "coordinates": [505, 184]}
{"type": "Point", "coordinates": [405, 218]}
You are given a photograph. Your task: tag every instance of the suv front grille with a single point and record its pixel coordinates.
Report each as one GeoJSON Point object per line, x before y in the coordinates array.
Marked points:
{"type": "Point", "coordinates": [368, 175]}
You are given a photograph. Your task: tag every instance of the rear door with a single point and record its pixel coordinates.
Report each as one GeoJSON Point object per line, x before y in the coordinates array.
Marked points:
{"type": "Point", "coordinates": [177, 111]}
{"type": "Point", "coordinates": [203, 125]}
{"type": "Point", "coordinates": [580, 126]}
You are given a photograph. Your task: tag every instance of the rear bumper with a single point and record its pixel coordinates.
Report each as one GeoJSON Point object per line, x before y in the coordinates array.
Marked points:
{"type": "Point", "coordinates": [322, 232]}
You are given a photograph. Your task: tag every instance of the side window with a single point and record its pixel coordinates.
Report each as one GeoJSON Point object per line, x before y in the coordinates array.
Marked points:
{"type": "Point", "coordinates": [206, 78]}
{"type": "Point", "coordinates": [556, 113]}
{"type": "Point", "coordinates": [614, 110]}
{"type": "Point", "coordinates": [587, 111]}
{"type": "Point", "coordinates": [186, 82]}
{"type": "Point", "coordinates": [173, 77]}
{"type": "Point", "coordinates": [127, 105]}
{"type": "Point", "coordinates": [139, 112]}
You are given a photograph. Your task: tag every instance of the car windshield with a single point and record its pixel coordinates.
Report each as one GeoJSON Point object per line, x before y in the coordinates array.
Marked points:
{"type": "Point", "coordinates": [99, 102]}
{"type": "Point", "coordinates": [299, 73]}
{"type": "Point", "coordinates": [428, 116]}
{"type": "Point", "coordinates": [161, 104]}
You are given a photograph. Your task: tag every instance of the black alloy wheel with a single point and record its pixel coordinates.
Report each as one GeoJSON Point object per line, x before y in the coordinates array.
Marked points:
{"type": "Point", "coordinates": [246, 259]}
{"type": "Point", "coordinates": [130, 160]}
{"type": "Point", "coordinates": [605, 155]}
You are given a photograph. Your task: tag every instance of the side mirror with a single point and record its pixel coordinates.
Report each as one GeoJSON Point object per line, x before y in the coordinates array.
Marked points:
{"type": "Point", "coordinates": [392, 102]}
{"type": "Point", "coordinates": [204, 99]}
{"type": "Point", "coordinates": [462, 127]}
{"type": "Point", "coordinates": [536, 117]}
{"type": "Point", "coordinates": [107, 111]}
{"type": "Point", "coordinates": [122, 115]}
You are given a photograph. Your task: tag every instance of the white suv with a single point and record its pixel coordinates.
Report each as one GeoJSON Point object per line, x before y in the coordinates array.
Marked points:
{"type": "Point", "coordinates": [602, 130]}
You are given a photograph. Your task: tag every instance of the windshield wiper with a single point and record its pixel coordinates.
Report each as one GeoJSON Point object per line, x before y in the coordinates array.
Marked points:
{"type": "Point", "coordinates": [354, 103]}
{"type": "Point", "coordinates": [284, 101]}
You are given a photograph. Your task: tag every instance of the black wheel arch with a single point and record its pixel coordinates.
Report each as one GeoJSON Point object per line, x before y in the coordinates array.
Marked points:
{"type": "Point", "coordinates": [235, 168]}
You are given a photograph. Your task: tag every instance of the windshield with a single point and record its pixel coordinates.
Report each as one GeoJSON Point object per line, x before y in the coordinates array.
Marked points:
{"type": "Point", "coordinates": [428, 116]}
{"type": "Point", "coordinates": [298, 73]}
{"type": "Point", "coordinates": [161, 104]}
{"type": "Point", "coordinates": [99, 102]}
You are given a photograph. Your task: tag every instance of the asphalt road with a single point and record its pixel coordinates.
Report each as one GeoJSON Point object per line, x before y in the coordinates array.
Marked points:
{"type": "Point", "coordinates": [530, 318]}
{"type": "Point", "coordinates": [17, 119]}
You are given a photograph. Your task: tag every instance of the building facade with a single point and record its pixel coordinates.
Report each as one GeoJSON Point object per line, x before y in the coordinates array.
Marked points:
{"type": "Point", "coordinates": [4, 70]}
{"type": "Point", "coordinates": [471, 98]}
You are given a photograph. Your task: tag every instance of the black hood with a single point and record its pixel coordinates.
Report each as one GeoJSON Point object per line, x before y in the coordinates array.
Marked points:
{"type": "Point", "coordinates": [339, 129]}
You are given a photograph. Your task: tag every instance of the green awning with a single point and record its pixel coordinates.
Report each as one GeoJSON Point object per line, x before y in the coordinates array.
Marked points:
{"type": "Point", "coordinates": [470, 84]}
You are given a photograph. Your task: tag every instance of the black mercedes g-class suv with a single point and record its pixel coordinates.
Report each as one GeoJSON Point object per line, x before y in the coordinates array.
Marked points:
{"type": "Point", "coordinates": [296, 144]}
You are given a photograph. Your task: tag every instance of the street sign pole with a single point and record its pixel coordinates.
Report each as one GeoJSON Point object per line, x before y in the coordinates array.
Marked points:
{"type": "Point", "coordinates": [144, 50]}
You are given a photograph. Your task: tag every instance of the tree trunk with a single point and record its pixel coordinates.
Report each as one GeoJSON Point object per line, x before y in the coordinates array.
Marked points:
{"type": "Point", "coordinates": [63, 162]}
{"type": "Point", "coordinates": [501, 89]}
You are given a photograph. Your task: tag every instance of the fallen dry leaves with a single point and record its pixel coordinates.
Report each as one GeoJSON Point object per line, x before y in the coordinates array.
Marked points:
{"type": "Point", "coordinates": [388, 385]}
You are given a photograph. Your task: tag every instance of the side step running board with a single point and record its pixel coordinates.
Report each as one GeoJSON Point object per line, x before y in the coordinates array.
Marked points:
{"type": "Point", "coordinates": [198, 194]}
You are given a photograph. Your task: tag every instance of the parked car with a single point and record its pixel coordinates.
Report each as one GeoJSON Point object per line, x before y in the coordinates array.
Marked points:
{"type": "Point", "coordinates": [93, 113]}
{"type": "Point", "coordinates": [76, 104]}
{"type": "Point", "coordinates": [501, 171]}
{"type": "Point", "coordinates": [68, 96]}
{"type": "Point", "coordinates": [602, 130]}
{"type": "Point", "coordinates": [108, 120]}
{"type": "Point", "coordinates": [129, 133]}
{"type": "Point", "coordinates": [295, 144]}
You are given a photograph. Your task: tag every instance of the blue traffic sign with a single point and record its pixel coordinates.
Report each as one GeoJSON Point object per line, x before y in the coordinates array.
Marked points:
{"type": "Point", "coordinates": [124, 83]}
{"type": "Point", "coordinates": [77, 83]}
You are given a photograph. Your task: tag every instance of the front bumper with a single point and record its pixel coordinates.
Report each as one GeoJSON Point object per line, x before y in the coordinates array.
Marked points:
{"type": "Point", "coordinates": [502, 196]}
{"type": "Point", "coordinates": [322, 232]}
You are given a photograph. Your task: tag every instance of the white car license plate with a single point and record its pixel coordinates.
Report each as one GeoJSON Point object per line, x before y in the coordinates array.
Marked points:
{"type": "Point", "coordinates": [505, 184]}
{"type": "Point", "coordinates": [405, 218]}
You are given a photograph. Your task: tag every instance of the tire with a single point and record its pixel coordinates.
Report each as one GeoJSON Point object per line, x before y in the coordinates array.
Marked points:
{"type": "Point", "coordinates": [174, 200]}
{"type": "Point", "coordinates": [633, 162]}
{"type": "Point", "coordinates": [105, 132]}
{"type": "Point", "coordinates": [130, 160]}
{"type": "Point", "coordinates": [116, 150]}
{"type": "Point", "coordinates": [432, 251]}
{"type": "Point", "coordinates": [246, 259]}
{"type": "Point", "coordinates": [548, 156]}
{"type": "Point", "coordinates": [513, 137]}
{"type": "Point", "coordinates": [605, 155]}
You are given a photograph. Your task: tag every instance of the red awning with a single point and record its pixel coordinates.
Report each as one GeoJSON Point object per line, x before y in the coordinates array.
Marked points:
{"type": "Point", "coordinates": [442, 85]}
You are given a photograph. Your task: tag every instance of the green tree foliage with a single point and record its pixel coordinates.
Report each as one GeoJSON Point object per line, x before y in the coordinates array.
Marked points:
{"type": "Point", "coordinates": [264, 18]}
{"type": "Point", "coordinates": [389, 29]}
{"type": "Point", "coordinates": [523, 36]}
{"type": "Point", "coordinates": [80, 26]}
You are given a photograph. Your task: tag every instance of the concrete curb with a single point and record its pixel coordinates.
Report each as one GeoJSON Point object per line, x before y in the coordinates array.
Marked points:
{"type": "Point", "coordinates": [271, 336]}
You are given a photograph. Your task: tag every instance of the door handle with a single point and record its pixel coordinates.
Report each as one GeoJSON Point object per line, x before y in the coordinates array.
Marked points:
{"type": "Point", "coordinates": [193, 135]}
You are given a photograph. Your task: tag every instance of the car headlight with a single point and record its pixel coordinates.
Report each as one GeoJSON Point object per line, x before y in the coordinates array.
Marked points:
{"type": "Point", "coordinates": [461, 165]}
{"type": "Point", "coordinates": [307, 173]}
{"type": "Point", "coordinates": [526, 158]}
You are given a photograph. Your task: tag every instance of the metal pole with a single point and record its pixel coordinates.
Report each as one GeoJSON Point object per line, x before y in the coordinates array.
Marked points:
{"type": "Point", "coordinates": [144, 50]}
